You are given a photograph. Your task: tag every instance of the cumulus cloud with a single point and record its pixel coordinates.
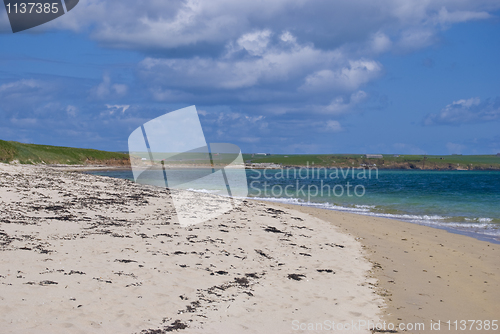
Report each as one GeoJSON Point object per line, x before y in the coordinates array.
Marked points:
{"type": "Point", "coordinates": [341, 105]}
{"type": "Point", "coordinates": [416, 38]}
{"type": "Point", "coordinates": [71, 110]}
{"type": "Point", "coordinates": [333, 126]}
{"type": "Point", "coordinates": [255, 43]}
{"type": "Point", "coordinates": [327, 24]}
{"type": "Point", "coordinates": [19, 86]}
{"type": "Point", "coordinates": [265, 65]}
{"type": "Point", "coordinates": [380, 42]}
{"type": "Point", "coordinates": [348, 77]}
{"type": "Point", "coordinates": [273, 67]}
{"type": "Point", "coordinates": [250, 50]}
{"type": "Point", "coordinates": [466, 111]}
{"type": "Point", "coordinates": [262, 58]}
{"type": "Point", "coordinates": [446, 17]}
{"type": "Point", "coordinates": [117, 108]}
{"type": "Point", "coordinates": [107, 89]}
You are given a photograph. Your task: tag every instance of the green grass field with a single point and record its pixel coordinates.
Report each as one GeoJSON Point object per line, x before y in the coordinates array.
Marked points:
{"type": "Point", "coordinates": [388, 161]}
{"type": "Point", "coordinates": [37, 154]}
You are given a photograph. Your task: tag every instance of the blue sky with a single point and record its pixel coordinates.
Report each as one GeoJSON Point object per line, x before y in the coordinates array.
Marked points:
{"type": "Point", "coordinates": [281, 76]}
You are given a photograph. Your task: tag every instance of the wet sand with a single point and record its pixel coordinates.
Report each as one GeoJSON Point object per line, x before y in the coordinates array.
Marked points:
{"type": "Point", "coordinates": [425, 274]}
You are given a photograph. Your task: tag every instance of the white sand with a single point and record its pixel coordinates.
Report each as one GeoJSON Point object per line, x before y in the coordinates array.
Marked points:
{"type": "Point", "coordinates": [88, 254]}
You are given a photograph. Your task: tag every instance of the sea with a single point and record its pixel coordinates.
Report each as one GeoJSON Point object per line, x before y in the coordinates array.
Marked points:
{"type": "Point", "coordinates": [463, 202]}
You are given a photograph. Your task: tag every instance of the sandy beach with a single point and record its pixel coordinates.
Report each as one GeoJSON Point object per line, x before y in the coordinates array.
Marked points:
{"type": "Point", "coordinates": [89, 254]}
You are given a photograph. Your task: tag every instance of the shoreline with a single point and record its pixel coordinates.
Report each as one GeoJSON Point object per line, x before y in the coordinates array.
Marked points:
{"type": "Point", "coordinates": [129, 167]}
{"type": "Point", "coordinates": [91, 254]}
{"type": "Point", "coordinates": [87, 168]}
{"type": "Point", "coordinates": [469, 234]}
{"type": "Point", "coordinates": [456, 230]}
{"type": "Point", "coordinates": [424, 273]}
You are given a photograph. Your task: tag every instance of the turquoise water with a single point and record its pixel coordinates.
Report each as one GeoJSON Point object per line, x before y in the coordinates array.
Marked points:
{"type": "Point", "coordinates": [466, 202]}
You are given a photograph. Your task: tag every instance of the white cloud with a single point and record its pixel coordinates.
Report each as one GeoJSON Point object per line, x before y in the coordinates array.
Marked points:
{"type": "Point", "coordinates": [288, 37]}
{"type": "Point", "coordinates": [446, 17]}
{"type": "Point", "coordinates": [416, 38]}
{"type": "Point", "coordinates": [466, 111]}
{"type": "Point", "coordinates": [71, 110]}
{"type": "Point", "coordinates": [268, 65]}
{"type": "Point", "coordinates": [333, 126]}
{"type": "Point", "coordinates": [179, 23]}
{"type": "Point", "coordinates": [255, 43]}
{"type": "Point", "coordinates": [119, 89]}
{"type": "Point", "coordinates": [339, 105]}
{"type": "Point", "coordinates": [255, 119]}
{"type": "Point", "coordinates": [106, 89]}
{"type": "Point", "coordinates": [116, 108]}
{"type": "Point", "coordinates": [19, 85]}
{"type": "Point", "coordinates": [380, 42]}
{"type": "Point", "coordinates": [346, 78]}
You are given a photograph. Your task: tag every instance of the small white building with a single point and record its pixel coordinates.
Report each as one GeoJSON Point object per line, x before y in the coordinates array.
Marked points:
{"type": "Point", "coordinates": [374, 156]}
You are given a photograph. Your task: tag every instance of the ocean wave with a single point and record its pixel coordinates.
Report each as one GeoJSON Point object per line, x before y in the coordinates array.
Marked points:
{"type": "Point", "coordinates": [206, 191]}
{"type": "Point", "coordinates": [481, 220]}
{"type": "Point", "coordinates": [479, 225]}
{"type": "Point", "coordinates": [298, 201]}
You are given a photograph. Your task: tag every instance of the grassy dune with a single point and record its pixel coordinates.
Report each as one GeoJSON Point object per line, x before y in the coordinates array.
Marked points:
{"type": "Point", "coordinates": [39, 154]}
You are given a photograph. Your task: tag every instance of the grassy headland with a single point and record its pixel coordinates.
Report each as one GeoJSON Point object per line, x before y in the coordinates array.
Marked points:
{"type": "Point", "coordinates": [389, 161]}
{"type": "Point", "coordinates": [11, 151]}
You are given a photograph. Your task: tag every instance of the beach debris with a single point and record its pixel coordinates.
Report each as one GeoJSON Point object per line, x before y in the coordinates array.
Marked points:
{"type": "Point", "coordinates": [242, 281]}
{"type": "Point", "coordinates": [335, 245]}
{"type": "Point", "coordinates": [44, 283]}
{"type": "Point", "coordinates": [102, 280]}
{"type": "Point", "coordinates": [125, 261]}
{"type": "Point", "coordinates": [325, 271]}
{"type": "Point", "coordinates": [176, 325]}
{"type": "Point", "coordinates": [296, 277]}
{"type": "Point", "coordinates": [274, 211]}
{"type": "Point", "coordinates": [261, 253]}
{"type": "Point", "coordinates": [221, 272]}
{"type": "Point", "coordinates": [273, 229]}
{"type": "Point", "coordinates": [179, 253]}
{"type": "Point", "coordinates": [252, 275]}
{"type": "Point", "coordinates": [374, 330]}
{"type": "Point", "coordinates": [72, 272]}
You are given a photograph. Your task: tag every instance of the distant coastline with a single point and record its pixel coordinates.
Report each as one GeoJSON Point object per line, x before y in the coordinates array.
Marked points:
{"type": "Point", "coordinates": [389, 161]}
{"type": "Point", "coordinates": [57, 156]}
